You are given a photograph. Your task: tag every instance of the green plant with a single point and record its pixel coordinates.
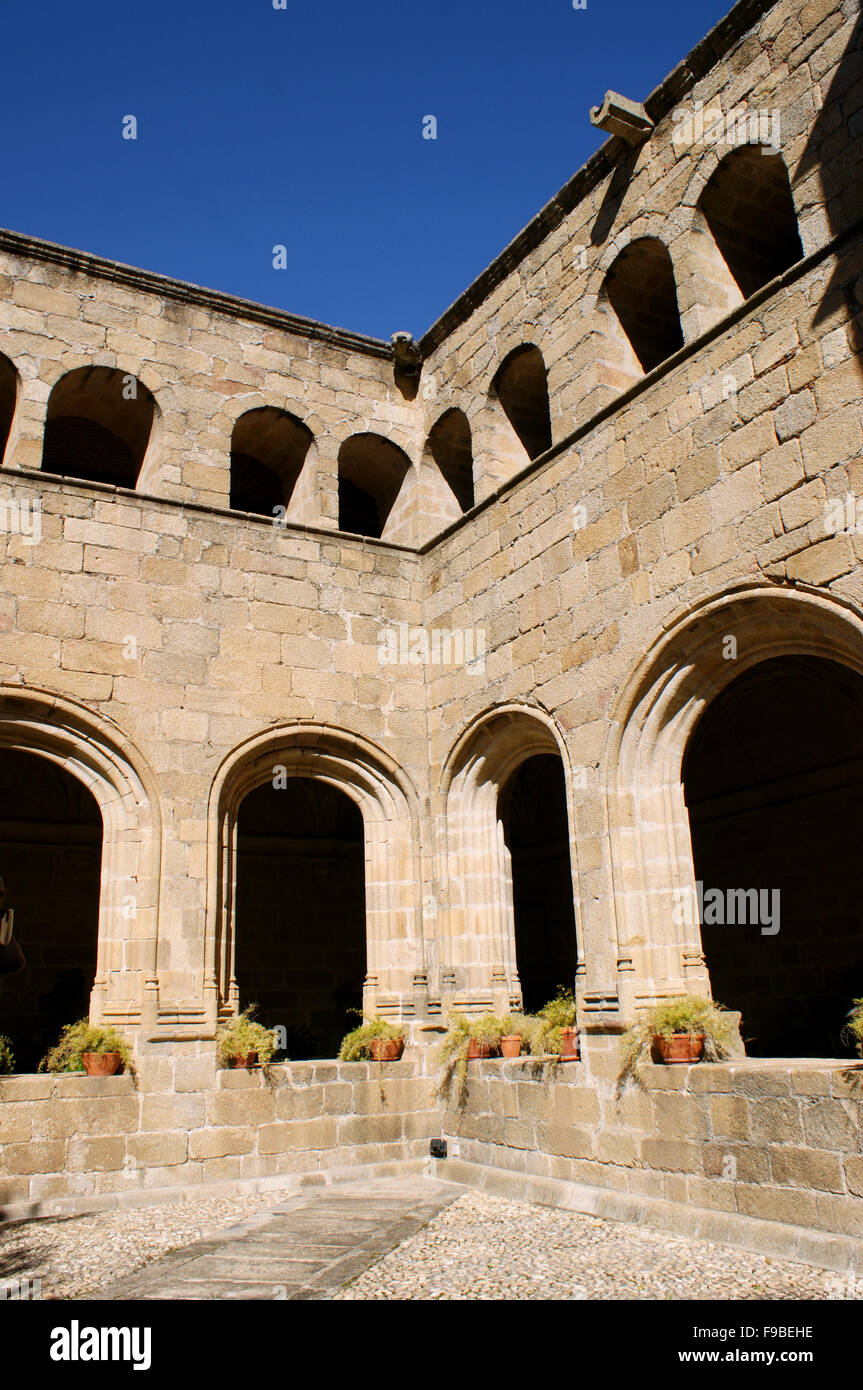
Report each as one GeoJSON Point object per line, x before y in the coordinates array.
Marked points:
{"type": "Point", "coordinates": [242, 1035]}
{"type": "Point", "coordinates": [80, 1037]}
{"type": "Point", "coordinates": [451, 1053]}
{"type": "Point", "coordinates": [559, 1012]}
{"type": "Point", "coordinates": [853, 1030]}
{"type": "Point", "coordinates": [357, 1045]}
{"type": "Point", "coordinates": [7, 1057]}
{"type": "Point", "coordinates": [685, 1013]}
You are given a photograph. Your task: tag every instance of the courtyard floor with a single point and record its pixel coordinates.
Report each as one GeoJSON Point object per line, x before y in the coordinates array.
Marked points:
{"type": "Point", "coordinates": [407, 1238]}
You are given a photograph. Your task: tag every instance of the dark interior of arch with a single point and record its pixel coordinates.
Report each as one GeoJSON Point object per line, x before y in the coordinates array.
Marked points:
{"type": "Point", "coordinates": [532, 807]}
{"type": "Point", "coordinates": [8, 394]}
{"type": "Point", "coordinates": [50, 861]}
{"type": "Point", "coordinates": [98, 426]}
{"type": "Point", "coordinates": [748, 207]}
{"type": "Point", "coordinates": [522, 389]}
{"type": "Point", "coordinates": [641, 290]}
{"type": "Point", "coordinates": [300, 916]}
{"type": "Point", "coordinates": [371, 472]}
{"type": "Point", "coordinates": [268, 449]}
{"type": "Point", "coordinates": [774, 785]}
{"type": "Point", "coordinates": [452, 450]}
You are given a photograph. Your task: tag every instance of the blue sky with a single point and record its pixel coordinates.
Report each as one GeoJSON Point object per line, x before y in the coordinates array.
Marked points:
{"type": "Point", "coordinates": [303, 127]}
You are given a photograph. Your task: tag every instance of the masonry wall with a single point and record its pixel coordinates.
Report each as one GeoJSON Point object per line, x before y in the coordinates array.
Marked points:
{"type": "Point", "coordinates": [187, 1123]}
{"type": "Point", "coordinates": [782, 1143]}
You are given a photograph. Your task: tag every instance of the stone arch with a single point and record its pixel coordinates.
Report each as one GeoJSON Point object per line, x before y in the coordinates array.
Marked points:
{"type": "Point", "coordinates": [640, 291]}
{"type": "Point", "coordinates": [748, 206]}
{"type": "Point", "coordinates": [99, 755]}
{"type": "Point", "coordinates": [656, 938]}
{"type": "Point", "coordinates": [708, 288]}
{"type": "Point", "coordinates": [269, 447]}
{"type": "Point", "coordinates": [395, 980]}
{"type": "Point", "coordinates": [521, 385]}
{"type": "Point", "coordinates": [9, 380]}
{"type": "Point", "coordinates": [372, 472]}
{"type": "Point", "coordinates": [477, 948]}
{"type": "Point", "coordinates": [451, 446]}
{"type": "Point", "coordinates": [98, 425]}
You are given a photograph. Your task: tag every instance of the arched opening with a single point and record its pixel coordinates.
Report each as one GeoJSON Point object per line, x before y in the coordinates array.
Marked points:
{"type": "Point", "coordinates": [51, 832]}
{"type": "Point", "coordinates": [268, 449]}
{"type": "Point", "coordinates": [532, 809]}
{"type": "Point", "coordinates": [450, 443]}
{"type": "Point", "coordinates": [748, 207]}
{"type": "Point", "coordinates": [511, 884]}
{"type": "Point", "coordinates": [521, 386]}
{"type": "Point", "coordinates": [300, 915]}
{"type": "Point", "coordinates": [640, 287]}
{"type": "Point", "coordinates": [371, 473]}
{"type": "Point", "coordinates": [773, 778]}
{"type": "Point", "coordinates": [8, 396]}
{"type": "Point", "coordinates": [98, 426]}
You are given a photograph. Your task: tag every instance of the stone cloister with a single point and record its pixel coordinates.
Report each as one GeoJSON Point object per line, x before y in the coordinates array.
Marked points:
{"type": "Point", "coordinates": [415, 676]}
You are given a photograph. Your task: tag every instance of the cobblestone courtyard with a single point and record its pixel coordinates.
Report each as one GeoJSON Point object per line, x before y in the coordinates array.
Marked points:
{"type": "Point", "coordinates": [389, 1239]}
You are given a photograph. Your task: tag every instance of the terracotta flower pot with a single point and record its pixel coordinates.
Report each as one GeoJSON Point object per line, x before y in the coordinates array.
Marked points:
{"type": "Point", "coordinates": [510, 1045]}
{"type": "Point", "coordinates": [476, 1051]}
{"type": "Point", "coordinates": [101, 1063]}
{"type": "Point", "coordinates": [682, 1049]}
{"type": "Point", "coordinates": [387, 1050]}
{"type": "Point", "coordinates": [569, 1038]}
{"type": "Point", "coordinates": [248, 1059]}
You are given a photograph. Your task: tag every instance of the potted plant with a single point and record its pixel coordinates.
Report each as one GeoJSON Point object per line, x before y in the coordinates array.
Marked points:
{"type": "Point", "coordinates": [90, 1048]}
{"type": "Point", "coordinates": [243, 1042]}
{"type": "Point", "coordinates": [7, 1057]}
{"type": "Point", "coordinates": [560, 1035]}
{"type": "Point", "coordinates": [512, 1035]}
{"type": "Point", "coordinates": [374, 1040]}
{"type": "Point", "coordinates": [484, 1035]}
{"type": "Point", "coordinates": [466, 1039]}
{"type": "Point", "coordinates": [683, 1030]}
{"type": "Point", "coordinates": [853, 1030]}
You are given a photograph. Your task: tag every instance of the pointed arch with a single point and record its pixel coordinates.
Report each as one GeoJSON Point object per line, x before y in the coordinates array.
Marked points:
{"type": "Point", "coordinates": [393, 879]}
{"type": "Point", "coordinates": [658, 943]}
{"type": "Point", "coordinates": [99, 755]}
{"type": "Point", "coordinates": [479, 967]}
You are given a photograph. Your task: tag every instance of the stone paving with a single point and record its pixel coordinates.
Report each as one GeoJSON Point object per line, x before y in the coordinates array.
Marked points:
{"type": "Point", "coordinates": [306, 1247]}
{"type": "Point", "coordinates": [483, 1247]}
{"type": "Point", "coordinates": [406, 1238]}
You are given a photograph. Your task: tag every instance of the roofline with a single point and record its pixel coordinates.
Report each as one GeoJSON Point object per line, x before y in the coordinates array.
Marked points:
{"type": "Point", "coordinates": [704, 56]}
{"type": "Point", "coordinates": [149, 281]}
{"type": "Point", "coordinates": [679, 81]}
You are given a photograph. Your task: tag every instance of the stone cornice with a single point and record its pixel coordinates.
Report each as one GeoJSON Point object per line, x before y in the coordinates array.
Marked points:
{"type": "Point", "coordinates": [150, 282]}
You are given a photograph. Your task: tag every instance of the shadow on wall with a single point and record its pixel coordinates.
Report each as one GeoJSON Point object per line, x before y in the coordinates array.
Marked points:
{"type": "Point", "coordinates": [835, 151]}
{"type": "Point", "coordinates": [773, 778]}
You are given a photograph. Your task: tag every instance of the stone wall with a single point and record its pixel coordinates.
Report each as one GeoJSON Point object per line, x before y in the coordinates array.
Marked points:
{"type": "Point", "coordinates": [84, 1141]}
{"type": "Point", "coordinates": [775, 1141]}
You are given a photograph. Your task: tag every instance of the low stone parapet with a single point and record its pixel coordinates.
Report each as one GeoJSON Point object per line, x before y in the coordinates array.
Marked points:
{"type": "Point", "coordinates": [66, 1140]}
